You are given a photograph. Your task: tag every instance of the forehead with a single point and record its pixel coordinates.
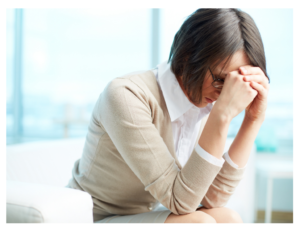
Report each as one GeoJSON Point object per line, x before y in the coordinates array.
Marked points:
{"type": "Point", "coordinates": [238, 59]}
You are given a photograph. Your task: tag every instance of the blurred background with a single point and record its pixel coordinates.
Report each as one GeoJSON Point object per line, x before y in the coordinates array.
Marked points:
{"type": "Point", "coordinates": [58, 61]}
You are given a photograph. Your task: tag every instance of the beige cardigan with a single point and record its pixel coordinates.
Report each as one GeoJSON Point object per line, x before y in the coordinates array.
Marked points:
{"type": "Point", "coordinates": [129, 163]}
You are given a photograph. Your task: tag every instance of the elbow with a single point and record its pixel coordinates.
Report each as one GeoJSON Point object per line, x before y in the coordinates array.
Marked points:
{"type": "Point", "coordinates": [182, 211]}
{"type": "Point", "coordinates": [214, 203]}
{"type": "Point", "coordinates": [181, 208]}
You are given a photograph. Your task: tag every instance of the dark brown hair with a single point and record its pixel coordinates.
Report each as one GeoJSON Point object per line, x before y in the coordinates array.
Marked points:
{"type": "Point", "coordinates": [208, 37]}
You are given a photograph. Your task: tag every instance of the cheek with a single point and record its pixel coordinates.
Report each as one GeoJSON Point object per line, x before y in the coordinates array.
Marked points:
{"type": "Point", "coordinates": [207, 84]}
{"type": "Point", "coordinates": [208, 89]}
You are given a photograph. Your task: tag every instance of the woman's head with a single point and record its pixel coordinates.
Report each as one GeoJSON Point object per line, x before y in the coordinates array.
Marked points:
{"type": "Point", "coordinates": [208, 39]}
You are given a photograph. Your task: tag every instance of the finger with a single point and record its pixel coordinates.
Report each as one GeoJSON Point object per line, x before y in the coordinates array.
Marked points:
{"type": "Point", "coordinates": [257, 78]}
{"type": "Point", "coordinates": [251, 70]}
{"type": "Point", "coordinates": [262, 92]}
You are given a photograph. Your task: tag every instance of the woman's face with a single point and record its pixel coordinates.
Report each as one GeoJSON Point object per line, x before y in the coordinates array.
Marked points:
{"type": "Point", "coordinates": [210, 93]}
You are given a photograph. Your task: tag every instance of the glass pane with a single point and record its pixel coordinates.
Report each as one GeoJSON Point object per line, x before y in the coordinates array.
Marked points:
{"type": "Point", "coordinates": [69, 57]}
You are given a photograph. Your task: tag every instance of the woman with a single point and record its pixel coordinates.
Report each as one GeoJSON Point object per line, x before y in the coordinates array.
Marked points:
{"type": "Point", "coordinates": [155, 137]}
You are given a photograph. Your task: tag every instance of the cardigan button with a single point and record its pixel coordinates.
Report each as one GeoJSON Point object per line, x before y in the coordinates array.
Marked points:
{"type": "Point", "coordinates": [150, 208]}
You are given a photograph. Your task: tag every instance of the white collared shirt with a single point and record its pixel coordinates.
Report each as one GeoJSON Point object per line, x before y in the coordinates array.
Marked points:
{"type": "Point", "coordinates": [185, 118]}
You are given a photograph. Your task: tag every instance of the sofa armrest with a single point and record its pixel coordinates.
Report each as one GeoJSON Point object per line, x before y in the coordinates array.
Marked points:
{"type": "Point", "coordinates": [37, 203]}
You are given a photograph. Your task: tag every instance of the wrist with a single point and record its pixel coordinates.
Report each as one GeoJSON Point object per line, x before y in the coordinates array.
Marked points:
{"type": "Point", "coordinates": [223, 114]}
{"type": "Point", "coordinates": [214, 134]}
{"type": "Point", "coordinates": [251, 120]}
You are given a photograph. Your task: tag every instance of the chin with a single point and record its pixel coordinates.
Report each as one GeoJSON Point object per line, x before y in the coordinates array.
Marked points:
{"type": "Point", "coordinates": [202, 104]}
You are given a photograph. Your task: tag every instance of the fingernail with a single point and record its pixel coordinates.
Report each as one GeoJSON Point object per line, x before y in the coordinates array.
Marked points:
{"type": "Point", "coordinates": [246, 77]}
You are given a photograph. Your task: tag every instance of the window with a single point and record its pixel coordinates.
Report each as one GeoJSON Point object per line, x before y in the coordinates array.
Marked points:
{"type": "Point", "coordinates": [69, 55]}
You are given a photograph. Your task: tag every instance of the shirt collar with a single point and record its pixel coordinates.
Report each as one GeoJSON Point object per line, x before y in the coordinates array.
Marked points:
{"type": "Point", "coordinates": [176, 101]}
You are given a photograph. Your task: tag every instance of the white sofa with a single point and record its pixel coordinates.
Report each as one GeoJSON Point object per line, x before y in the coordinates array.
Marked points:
{"type": "Point", "coordinates": [37, 173]}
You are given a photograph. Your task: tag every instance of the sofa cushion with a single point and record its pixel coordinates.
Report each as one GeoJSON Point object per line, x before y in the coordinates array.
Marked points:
{"type": "Point", "coordinates": [43, 162]}
{"type": "Point", "coordinates": [36, 203]}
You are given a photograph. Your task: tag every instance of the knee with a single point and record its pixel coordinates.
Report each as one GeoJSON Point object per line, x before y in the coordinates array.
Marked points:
{"type": "Point", "coordinates": [195, 217]}
{"type": "Point", "coordinates": [223, 215]}
{"type": "Point", "coordinates": [201, 217]}
{"type": "Point", "coordinates": [233, 216]}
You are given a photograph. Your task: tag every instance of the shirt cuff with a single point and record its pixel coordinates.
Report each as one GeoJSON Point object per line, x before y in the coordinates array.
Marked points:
{"type": "Point", "coordinates": [208, 157]}
{"type": "Point", "coordinates": [228, 159]}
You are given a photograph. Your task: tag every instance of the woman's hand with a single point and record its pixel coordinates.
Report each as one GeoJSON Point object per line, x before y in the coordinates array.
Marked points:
{"type": "Point", "coordinates": [259, 82]}
{"type": "Point", "coordinates": [236, 95]}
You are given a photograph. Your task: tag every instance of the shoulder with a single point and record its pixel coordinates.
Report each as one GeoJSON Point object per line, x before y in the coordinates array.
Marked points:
{"type": "Point", "coordinates": [142, 84]}
{"type": "Point", "coordinates": [128, 97]}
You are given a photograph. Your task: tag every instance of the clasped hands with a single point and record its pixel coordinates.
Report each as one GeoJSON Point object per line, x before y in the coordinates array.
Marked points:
{"type": "Point", "coordinates": [244, 89]}
{"type": "Point", "coordinates": [259, 82]}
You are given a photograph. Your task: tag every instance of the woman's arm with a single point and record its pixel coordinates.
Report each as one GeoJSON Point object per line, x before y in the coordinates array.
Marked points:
{"type": "Point", "coordinates": [240, 148]}
{"type": "Point", "coordinates": [234, 98]}
{"type": "Point", "coordinates": [214, 134]}
{"type": "Point", "coordinates": [239, 89]}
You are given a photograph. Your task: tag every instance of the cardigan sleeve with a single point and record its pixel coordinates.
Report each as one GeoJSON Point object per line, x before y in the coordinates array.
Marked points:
{"type": "Point", "coordinates": [126, 114]}
{"type": "Point", "coordinates": [223, 186]}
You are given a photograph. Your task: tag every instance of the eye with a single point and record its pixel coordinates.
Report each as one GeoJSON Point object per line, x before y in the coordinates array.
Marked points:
{"type": "Point", "coordinates": [219, 79]}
